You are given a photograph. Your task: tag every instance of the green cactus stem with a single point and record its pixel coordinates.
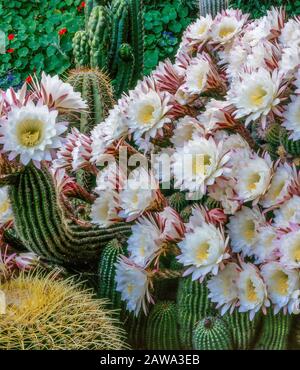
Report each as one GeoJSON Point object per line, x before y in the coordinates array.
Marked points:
{"type": "Point", "coordinates": [192, 306]}
{"type": "Point", "coordinates": [162, 331]}
{"type": "Point", "coordinates": [244, 332]}
{"type": "Point", "coordinates": [212, 7]}
{"type": "Point", "coordinates": [178, 201]}
{"type": "Point", "coordinates": [275, 332]}
{"type": "Point", "coordinates": [44, 229]}
{"type": "Point", "coordinates": [212, 333]}
{"type": "Point", "coordinates": [124, 77]}
{"type": "Point", "coordinates": [106, 272]}
{"type": "Point", "coordinates": [81, 50]}
{"type": "Point", "coordinates": [96, 90]}
{"type": "Point", "coordinates": [292, 147]}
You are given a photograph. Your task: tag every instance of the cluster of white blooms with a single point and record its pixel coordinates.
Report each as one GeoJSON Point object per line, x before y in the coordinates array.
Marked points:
{"type": "Point", "coordinates": [232, 77]}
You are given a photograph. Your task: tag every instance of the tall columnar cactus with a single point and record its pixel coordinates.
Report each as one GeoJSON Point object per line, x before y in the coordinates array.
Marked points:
{"type": "Point", "coordinates": [95, 88]}
{"type": "Point", "coordinates": [81, 48]}
{"type": "Point", "coordinates": [192, 306]}
{"type": "Point", "coordinates": [212, 333]}
{"type": "Point", "coordinates": [212, 7]}
{"type": "Point", "coordinates": [107, 272]}
{"type": "Point", "coordinates": [162, 330]}
{"type": "Point", "coordinates": [275, 332]}
{"type": "Point", "coordinates": [244, 331]}
{"type": "Point", "coordinates": [44, 313]}
{"type": "Point", "coordinates": [43, 227]}
{"type": "Point", "coordinates": [116, 41]}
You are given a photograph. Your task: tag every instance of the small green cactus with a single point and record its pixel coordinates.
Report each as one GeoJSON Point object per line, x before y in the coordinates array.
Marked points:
{"type": "Point", "coordinates": [272, 136]}
{"type": "Point", "coordinates": [178, 201]}
{"type": "Point", "coordinates": [136, 330]}
{"type": "Point", "coordinates": [292, 147]}
{"type": "Point", "coordinates": [275, 332]}
{"type": "Point", "coordinates": [192, 306]}
{"type": "Point", "coordinates": [211, 203]}
{"type": "Point", "coordinates": [186, 213]}
{"type": "Point", "coordinates": [162, 330]}
{"type": "Point", "coordinates": [212, 333]}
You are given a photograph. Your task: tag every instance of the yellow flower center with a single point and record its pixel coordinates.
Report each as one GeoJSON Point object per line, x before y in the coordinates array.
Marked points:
{"type": "Point", "coordinates": [250, 291]}
{"type": "Point", "coordinates": [252, 181]}
{"type": "Point", "coordinates": [103, 211]}
{"type": "Point", "coordinates": [280, 281]}
{"type": "Point", "coordinates": [276, 190]}
{"type": "Point", "coordinates": [146, 114]}
{"type": "Point", "coordinates": [135, 198]}
{"type": "Point", "coordinates": [296, 251]}
{"type": "Point", "coordinates": [200, 80]}
{"type": "Point", "coordinates": [30, 132]}
{"type": "Point", "coordinates": [129, 288]}
{"type": "Point", "coordinates": [257, 96]}
{"type": "Point", "coordinates": [226, 31]}
{"type": "Point", "coordinates": [200, 164]}
{"type": "Point", "coordinates": [4, 206]}
{"type": "Point", "coordinates": [202, 252]}
{"type": "Point", "coordinates": [248, 230]}
{"type": "Point", "coordinates": [202, 29]}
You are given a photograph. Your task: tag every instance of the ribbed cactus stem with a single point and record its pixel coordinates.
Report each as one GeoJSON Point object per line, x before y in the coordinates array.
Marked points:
{"type": "Point", "coordinates": [275, 332]}
{"type": "Point", "coordinates": [161, 332]}
{"type": "Point", "coordinates": [107, 272]}
{"type": "Point", "coordinates": [136, 10]}
{"type": "Point", "coordinates": [81, 49]}
{"type": "Point", "coordinates": [99, 36]}
{"type": "Point", "coordinates": [244, 332]}
{"type": "Point", "coordinates": [212, 333]}
{"type": "Point", "coordinates": [124, 78]}
{"type": "Point", "coordinates": [292, 147]}
{"type": "Point", "coordinates": [192, 306]}
{"type": "Point", "coordinates": [96, 90]}
{"type": "Point", "coordinates": [212, 7]}
{"type": "Point", "coordinates": [42, 227]}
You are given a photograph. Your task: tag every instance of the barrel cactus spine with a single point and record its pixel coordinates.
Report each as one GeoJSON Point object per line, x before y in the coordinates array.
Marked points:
{"type": "Point", "coordinates": [212, 333]}
{"type": "Point", "coordinates": [44, 312]}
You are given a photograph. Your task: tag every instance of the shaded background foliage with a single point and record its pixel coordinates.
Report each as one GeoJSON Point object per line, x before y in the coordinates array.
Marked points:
{"type": "Point", "coordinates": [258, 8]}
{"type": "Point", "coordinates": [37, 44]}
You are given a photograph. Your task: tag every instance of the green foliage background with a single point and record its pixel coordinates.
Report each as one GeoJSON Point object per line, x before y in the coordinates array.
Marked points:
{"type": "Point", "coordinates": [258, 8]}
{"type": "Point", "coordinates": [37, 44]}
{"type": "Point", "coordinates": [164, 23]}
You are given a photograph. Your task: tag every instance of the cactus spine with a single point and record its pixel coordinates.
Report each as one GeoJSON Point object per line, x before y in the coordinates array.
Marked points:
{"type": "Point", "coordinates": [275, 331]}
{"type": "Point", "coordinates": [212, 333]}
{"type": "Point", "coordinates": [161, 332]}
{"type": "Point", "coordinates": [96, 90]}
{"type": "Point", "coordinates": [43, 312]}
{"type": "Point", "coordinates": [42, 227]}
{"type": "Point", "coordinates": [116, 41]}
{"type": "Point", "coordinates": [192, 306]}
{"type": "Point", "coordinates": [212, 7]}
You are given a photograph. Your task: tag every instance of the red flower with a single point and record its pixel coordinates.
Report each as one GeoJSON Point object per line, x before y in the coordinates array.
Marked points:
{"type": "Point", "coordinates": [10, 50]}
{"type": "Point", "coordinates": [62, 31]}
{"type": "Point", "coordinates": [82, 5]}
{"type": "Point", "coordinates": [11, 36]}
{"type": "Point", "coordinates": [28, 79]}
